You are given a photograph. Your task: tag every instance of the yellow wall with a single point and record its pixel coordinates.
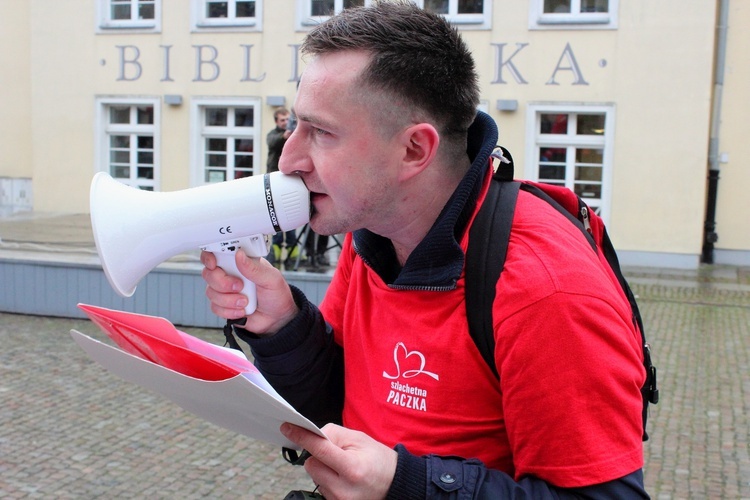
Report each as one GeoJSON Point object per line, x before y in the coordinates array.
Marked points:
{"type": "Point", "coordinates": [15, 97]}
{"type": "Point", "coordinates": [664, 59]}
{"type": "Point", "coordinates": [733, 206]}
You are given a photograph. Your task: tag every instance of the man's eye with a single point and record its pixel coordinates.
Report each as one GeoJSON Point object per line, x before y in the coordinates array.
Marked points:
{"type": "Point", "coordinates": [320, 131]}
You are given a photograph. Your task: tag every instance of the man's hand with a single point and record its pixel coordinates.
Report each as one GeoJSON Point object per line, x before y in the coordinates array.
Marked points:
{"type": "Point", "coordinates": [276, 305]}
{"type": "Point", "coordinates": [351, 465]}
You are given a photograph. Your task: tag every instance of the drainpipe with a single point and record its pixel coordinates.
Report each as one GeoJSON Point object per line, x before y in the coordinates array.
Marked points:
{"type": "Point", "coordinates": [709, 227]}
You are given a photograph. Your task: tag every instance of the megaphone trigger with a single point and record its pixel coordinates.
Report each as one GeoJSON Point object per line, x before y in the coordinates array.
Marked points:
{"type": "Point", "coordinates": [253, 246]}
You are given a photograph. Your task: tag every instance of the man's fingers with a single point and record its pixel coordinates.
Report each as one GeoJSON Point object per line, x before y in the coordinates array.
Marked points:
{"type": "Point", "coordinates": [208, 259]}
{"type": "Point", "coordinates": [258, 270]}
{"type": "Point", "coordinates": [224, 305]}
{"type": "Point", "coordinates": [223, 290]}
{"type": "Point", "coordinates": [319, 447]}
{"type": "Point", "coordinates": [300, 436]}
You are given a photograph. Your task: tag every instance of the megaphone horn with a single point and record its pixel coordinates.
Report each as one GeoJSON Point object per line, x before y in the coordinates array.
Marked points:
{"type": "Point", "coordinates": [136, 230]}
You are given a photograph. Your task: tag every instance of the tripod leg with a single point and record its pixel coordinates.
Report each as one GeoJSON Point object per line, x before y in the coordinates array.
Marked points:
{"type": "Point", "coordinates": [306, 233]}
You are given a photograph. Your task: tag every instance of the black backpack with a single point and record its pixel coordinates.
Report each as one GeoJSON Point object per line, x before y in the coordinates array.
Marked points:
{"type": "Point", "coordinates": [488, 244]}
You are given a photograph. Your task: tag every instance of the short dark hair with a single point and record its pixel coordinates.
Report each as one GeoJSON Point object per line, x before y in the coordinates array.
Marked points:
{"type": "Point", "coordinates": [417, 57]}
{"type": "Point", "coordinates": [278, 112]}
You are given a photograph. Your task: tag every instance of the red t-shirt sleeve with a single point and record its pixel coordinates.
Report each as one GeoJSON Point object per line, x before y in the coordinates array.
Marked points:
{"type": "Point", "coordinates": [568, 356]}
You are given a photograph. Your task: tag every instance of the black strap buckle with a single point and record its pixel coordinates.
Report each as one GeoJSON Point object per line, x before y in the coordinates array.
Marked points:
{"type": "Point", "coordinates": [295, 457]}
{"type": "Point", "coordinates": [229, 333]}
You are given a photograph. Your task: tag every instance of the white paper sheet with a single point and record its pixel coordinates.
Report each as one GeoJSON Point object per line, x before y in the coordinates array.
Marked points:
{"type": "Point", "coordinates": [221, 388]}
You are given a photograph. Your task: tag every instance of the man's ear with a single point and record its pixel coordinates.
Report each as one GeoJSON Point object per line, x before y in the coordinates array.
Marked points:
{"type": "Point", "coordinates": [421, 143]}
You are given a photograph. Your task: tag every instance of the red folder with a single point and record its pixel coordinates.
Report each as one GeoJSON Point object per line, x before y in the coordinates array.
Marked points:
{"type": "Point", "coordinates": [157, 340]}
{"type": "Point", "coordinates": [217, 384]}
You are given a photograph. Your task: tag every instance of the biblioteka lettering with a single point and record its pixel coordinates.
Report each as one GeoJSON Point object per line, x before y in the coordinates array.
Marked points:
{"type": "Point", "coordinates": [506, 61]}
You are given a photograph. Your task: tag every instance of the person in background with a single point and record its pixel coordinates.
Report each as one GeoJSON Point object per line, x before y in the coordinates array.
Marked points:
{"type": "Point", "coordinates": [395, 154]}
{"type": "Point", "coordinates": [316, 248]}
{"type": "Point", "coordinates": [275, 140]}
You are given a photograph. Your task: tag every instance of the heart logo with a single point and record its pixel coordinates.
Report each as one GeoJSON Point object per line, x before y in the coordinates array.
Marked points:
{"type": "Point", "coordinates": [401, 353]}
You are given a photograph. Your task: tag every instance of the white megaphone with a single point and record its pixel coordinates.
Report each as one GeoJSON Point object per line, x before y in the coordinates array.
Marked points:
{"type": "Point", "coordinates": [136, 230]}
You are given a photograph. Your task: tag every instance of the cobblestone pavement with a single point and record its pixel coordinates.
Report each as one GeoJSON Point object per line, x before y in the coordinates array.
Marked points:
{"type": "Point", "coordinates": [700, 431]}
{"type": "Point", "coordinates": [70, 429]}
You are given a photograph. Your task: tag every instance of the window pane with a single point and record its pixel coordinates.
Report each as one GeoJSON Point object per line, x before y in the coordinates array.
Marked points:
{"type": "Point", "coordinates": [553, 154]}
{"type": "Point", "coordinates": [554, 124]}
{"type": "Point", "coordinates": [216, 175]}
{"type": "Point", "coordinates": [243, 145]}
{"type": "Point", "coordinates": [470, 6]}
{"type": "Point", "coordinates": [589, 155]}
{"type": "Point", "coordinates": [594, 5]}
{"type": "Point", "coordinates": [557, 6]}
{"type": "Point", "coordinates": [239, 174]}
{"type": "Point", "coordinates": [217, 9]}
{"type": "Point", "coordinates": [119, 156]}
{"type": "Point", "coordinates": [216, 144]}
{"type": "Point", "coordinates": [119, 141]}
{"type": "Point", "coordinates": [436, 6]}
{"type": "Point", "coordinates": [589, 174]}
{"type": "Point", "coordinates": [550, 172]}
{"type": "Point", "coordinates": [588, 190]}
{"type": "Point", "coordinates": [145, 142]}
{"type": "Point", "coordinates": [322, 7]}
{"type": "Point", "coordinates": [146, 115]}
{"type": "Point", "coordinates": [146, 9]}
{"type": "Point", "coordinates": [216, 117]}
{"type": "Point", "coordinates": [120, 11]}
{"type": "Point", "coordinates": [353, 3]}
{"type": "Point", "coordinates": [245, 9]}
{"type": "Point", "coordinates": [216, 160]}
{"type": "Point", "coordinates": [119, 172]}
{"type": "Point", "coordinates": [590, 124]}
{"type": "Point", "coordinates": [119, 114]}
{"type": "Point", "coordinates": [145, 158]}
{"type": "Point", "coordinates": [145, 172]}
{"type": "Point", "coordinates": [243, 162]}
{"type": "Point", "coordinates": [243, 117]}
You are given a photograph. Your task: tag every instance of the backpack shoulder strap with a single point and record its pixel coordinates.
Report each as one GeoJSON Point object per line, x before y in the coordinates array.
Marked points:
{"type": "Point", "coordinates": [485, 256]}
{"type": "Point", "coordinates": [650, 388]}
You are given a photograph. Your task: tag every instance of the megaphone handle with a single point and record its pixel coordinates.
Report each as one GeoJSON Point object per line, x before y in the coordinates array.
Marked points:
{"type": "Point", "coordinates": [253, 246]}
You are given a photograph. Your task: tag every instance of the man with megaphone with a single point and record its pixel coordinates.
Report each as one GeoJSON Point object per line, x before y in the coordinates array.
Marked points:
{"type": "Point", "coordinates": [394, 154]}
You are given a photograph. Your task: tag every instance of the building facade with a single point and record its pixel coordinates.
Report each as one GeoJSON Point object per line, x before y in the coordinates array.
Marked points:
{"type": "Point", "coordinates": [630, 103]}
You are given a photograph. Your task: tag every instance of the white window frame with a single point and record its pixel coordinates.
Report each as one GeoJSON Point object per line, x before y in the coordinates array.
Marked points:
{"type": "Point", "coordinates": [465, 21]}
{"type": "Point", "coordinates": [105, 23]}
{"type": "Point", "coordinates": [104, 129]}
{"type": "Point", "coordinates": [199, 131]}
{"type": "Point", "coordinates": [199, 21]}
{"type": "Point", "coordinates": [575, 20]}
{"type": "Point", "coordinates": [535, 140]}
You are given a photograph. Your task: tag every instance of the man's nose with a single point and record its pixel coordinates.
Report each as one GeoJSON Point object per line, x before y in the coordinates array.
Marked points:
{"type": "Point", "coordinates": [294, 157]}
